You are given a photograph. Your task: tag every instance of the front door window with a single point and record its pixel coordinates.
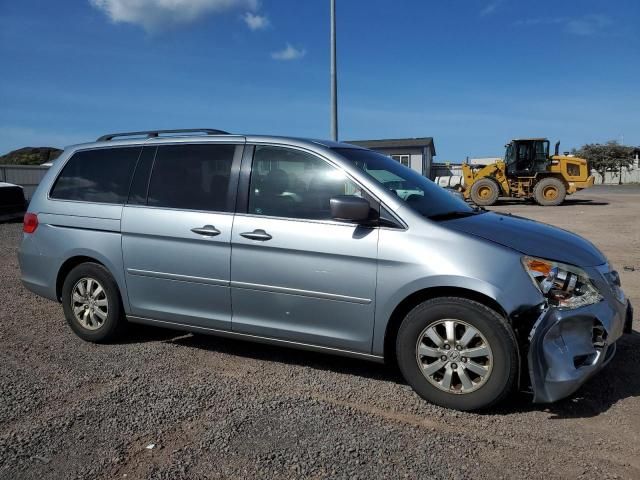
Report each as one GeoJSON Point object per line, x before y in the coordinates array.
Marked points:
{"type": "Point", "coordinates": [294, 184]}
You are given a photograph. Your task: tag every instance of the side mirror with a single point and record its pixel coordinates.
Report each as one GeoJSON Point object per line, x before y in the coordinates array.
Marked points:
{"type": "Point", "coordinates": [350, 208]}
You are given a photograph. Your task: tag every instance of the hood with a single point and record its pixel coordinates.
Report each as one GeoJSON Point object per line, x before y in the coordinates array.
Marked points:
{"type": "Point", "coordinates": [530, 237]}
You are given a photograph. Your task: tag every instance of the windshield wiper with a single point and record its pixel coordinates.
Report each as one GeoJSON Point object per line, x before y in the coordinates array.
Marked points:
{"type": "Point", "coordinates": [456, 214]}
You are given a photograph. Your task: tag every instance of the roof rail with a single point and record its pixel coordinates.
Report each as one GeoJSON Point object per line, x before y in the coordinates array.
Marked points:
{"type": "Point", "coordinates": [155, 133]}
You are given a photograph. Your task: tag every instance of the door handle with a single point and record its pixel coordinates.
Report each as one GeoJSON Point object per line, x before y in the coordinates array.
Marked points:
{"type": "Point", "coordinates": [257, 235]}
{"type": "Point", "coordinates": [207, 230]}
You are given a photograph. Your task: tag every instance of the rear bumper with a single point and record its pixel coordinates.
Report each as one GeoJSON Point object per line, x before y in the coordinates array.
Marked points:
{"type": "Point", "coordinates": [37, 269]}
{"type": "Point", "coordinates": [575, 186]}
{"type": "Point", "coordinates": [567, 347]}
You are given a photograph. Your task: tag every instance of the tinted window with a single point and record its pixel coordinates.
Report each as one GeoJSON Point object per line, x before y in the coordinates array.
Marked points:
{"type": "Point", "coordinates": [192, 177]}
{"type": "Point", "coordinates": [140, 182]}
{"type": "Point", "coordinates": [420, 193]}
{"type": "Point", "coordinates": [294, 184]}
{"type": "Point", "coordinates": [101, 175]}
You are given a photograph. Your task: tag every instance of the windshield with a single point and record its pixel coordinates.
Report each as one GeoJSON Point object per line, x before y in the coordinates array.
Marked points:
{"type": "Point", "coordinates": [418, 192]}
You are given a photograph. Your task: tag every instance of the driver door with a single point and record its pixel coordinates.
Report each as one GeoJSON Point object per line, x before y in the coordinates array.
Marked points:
{"type": "Point", "coordinates": [523, 156]}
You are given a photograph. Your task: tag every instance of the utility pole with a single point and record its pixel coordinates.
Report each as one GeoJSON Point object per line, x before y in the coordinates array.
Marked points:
{"type": "Point", "coordinates": [334, 76]}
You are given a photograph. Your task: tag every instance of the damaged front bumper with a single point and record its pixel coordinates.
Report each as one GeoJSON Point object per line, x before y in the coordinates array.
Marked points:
{"type": "Point", "coordinates": [569, 346]}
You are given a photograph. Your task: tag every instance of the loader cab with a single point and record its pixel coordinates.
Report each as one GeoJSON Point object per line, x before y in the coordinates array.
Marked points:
{"type": "Point", "coordinates": [527, 157]}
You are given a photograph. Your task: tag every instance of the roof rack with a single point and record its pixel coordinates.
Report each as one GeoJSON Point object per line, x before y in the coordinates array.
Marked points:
{"type": "Point", "coordinates": [156, 133]}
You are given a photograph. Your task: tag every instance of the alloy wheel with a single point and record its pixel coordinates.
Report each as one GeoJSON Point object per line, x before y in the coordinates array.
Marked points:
{"type": "Point", "coordinates": [454, 356]}
{"type": "Point", "coordinates": [89, 303]}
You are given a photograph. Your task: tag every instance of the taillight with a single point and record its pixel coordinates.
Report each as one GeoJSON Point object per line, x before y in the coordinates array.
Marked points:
{"type": "Point", "coordinates": [30, 223]}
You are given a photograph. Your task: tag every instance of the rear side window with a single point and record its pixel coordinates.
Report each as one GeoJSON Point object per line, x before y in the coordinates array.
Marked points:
{"type": "Point", "coordinates": [192, 177]}
{"type": "Point", "coordinates": [101, 175]}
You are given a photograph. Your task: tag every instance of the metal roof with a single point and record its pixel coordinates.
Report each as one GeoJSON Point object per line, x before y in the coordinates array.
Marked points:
{"type": "Point", "coordinates": [420, 142]}
{"type": "Point", "coordinates": [532, 138]}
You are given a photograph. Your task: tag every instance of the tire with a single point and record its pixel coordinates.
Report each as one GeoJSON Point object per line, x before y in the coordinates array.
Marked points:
{"type": "Point", "coordinates": [501, 363]}
{"type": "Point", "coordinates": [549, 192]}
{"type": "Point", "coordinates": [91, 326]}
{"type": "Point", "coordinates": [485, 192]}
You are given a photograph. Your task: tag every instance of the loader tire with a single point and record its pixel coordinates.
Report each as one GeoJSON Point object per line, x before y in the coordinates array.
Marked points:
{"type": "Point", "coordinates": [485, 192]}
{"type": "Point", "coordinates": [549, 192]}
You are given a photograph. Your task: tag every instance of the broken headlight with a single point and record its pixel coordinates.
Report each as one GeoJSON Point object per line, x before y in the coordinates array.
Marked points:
{"type": "Point", "coordinates": [564, 286]}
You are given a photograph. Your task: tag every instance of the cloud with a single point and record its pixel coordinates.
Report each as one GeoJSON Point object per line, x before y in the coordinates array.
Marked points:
{"type": "Point", "coordinates": [584, 26]}
{"type": "Point", "coordinates": [255, 21]}
{"type": "Point", "coordinates": [490, 8]}
{"type": "Point", "coordinates": [540, 21]}
{"type": "Point", "coordinates": [588, 25]}
{"type": "Point", "coordinates": [154, 15]}
{"type": "Point", "coordinates": [289, 53]}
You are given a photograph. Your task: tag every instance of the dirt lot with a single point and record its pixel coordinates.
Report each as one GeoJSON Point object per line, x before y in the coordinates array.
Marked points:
{"type": "Point", "coordinates": [217, 408]}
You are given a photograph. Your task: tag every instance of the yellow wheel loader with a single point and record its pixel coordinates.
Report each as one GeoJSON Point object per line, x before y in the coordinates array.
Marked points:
{"type": "Point", "coordinates": [527, 171]}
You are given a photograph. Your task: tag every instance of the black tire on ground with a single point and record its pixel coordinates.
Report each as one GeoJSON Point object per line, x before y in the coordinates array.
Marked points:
{"type": "Point", "coordinates": [498, 333]}
{"type": "Point", "coordinates": [485, 192]}
{"type": "Point", "coordinates": [549, 192]}
{"type": "Point", "coordinates": [114, 323]}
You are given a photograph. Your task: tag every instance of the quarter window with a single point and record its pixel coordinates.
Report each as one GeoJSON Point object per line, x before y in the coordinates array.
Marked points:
{"type": "Point", "coordinates": [192, 177]}
{"type": "Point", "coordinates": [140, 181]}
{"type": "Point", "coordinates": [290, 183]}
{"type": "Point", "coordinates": [101, 175]}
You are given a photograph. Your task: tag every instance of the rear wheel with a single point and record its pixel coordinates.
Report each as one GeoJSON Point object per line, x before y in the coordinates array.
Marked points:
{"type": "Point", "coordinates": [549, 192]}
{"type": "Point", "coordinates": [92, 304]}
{"type": "Point", "coordinates": [457, 353]}
{"type": "Point", "coordinates": [485, 192]}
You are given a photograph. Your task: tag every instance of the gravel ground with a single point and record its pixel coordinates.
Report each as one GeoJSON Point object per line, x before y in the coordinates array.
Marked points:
{"type": "Point", "coordinates": [215, 408]}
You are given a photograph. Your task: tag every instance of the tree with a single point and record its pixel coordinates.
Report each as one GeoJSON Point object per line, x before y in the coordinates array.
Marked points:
{"type": "Point", "coordinates": [30, 156]}
{"type": "Point", "coordinates": [608, 157]}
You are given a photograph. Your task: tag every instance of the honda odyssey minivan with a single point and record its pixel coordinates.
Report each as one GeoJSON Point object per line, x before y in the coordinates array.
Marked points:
{"type": "Point", "coordinates": [324, 246]}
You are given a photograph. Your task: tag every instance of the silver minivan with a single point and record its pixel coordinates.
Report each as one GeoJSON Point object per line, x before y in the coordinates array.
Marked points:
{"type": "Point", "coordinates": [325, 246]}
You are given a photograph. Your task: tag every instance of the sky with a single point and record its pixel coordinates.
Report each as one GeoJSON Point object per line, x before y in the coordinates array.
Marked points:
{"type": "Point", "coordinates": [470, 73]}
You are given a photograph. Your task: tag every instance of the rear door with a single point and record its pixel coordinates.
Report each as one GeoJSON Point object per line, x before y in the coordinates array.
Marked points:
{"type": "Point", "coordinates": [176, 232]}
{"type": "Point", "coordinates": [296, 274]}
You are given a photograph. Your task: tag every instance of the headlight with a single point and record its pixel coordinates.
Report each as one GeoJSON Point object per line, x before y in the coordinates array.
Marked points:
{"type": "Point", "coordinates": [614, 282]}
{"type": "Point", "coordinates": [564, 286]}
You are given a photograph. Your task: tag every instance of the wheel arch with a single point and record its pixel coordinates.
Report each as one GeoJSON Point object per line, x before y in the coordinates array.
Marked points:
{"type": "Point", "coordinates": [85, 257]}
{"type": "Point", "coordinates": [68, 265]}
{"type": "Point", "coordinates": [419, 296]}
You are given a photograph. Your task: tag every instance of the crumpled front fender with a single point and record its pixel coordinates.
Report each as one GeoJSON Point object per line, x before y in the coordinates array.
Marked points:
{"type": "Point", "coordinates": [569, 346]}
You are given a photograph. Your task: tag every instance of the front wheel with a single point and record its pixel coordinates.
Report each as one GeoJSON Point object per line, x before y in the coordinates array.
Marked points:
{"type": "Point", "coordinates": [457, 353]}
{"type": "Point", "coordinates": [485, 192]}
